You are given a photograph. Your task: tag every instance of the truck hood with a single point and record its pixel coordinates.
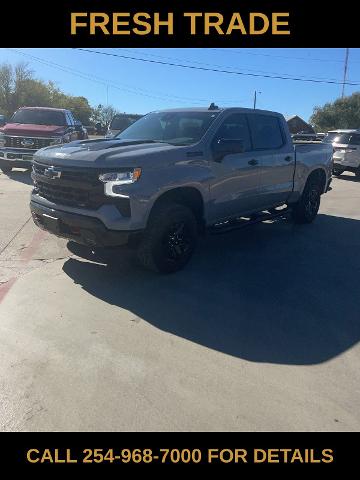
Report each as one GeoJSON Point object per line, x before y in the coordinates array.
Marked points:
{"type": "Point", "coordinates": [32, 130]}
{"type": "Point", "coordinates": [103, 153]}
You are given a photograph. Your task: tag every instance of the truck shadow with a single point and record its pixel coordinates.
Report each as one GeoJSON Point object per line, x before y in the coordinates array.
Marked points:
{"type": "Point", "coordinates": [275, 293]}
{"type": "Point", "coordinates": [21, 175]}
{"type": "Point", "coordinates": [348, 177]}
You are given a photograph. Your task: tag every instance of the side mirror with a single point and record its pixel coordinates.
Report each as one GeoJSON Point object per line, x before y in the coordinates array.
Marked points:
{"type": "Point", "coordinates": [227, 146]}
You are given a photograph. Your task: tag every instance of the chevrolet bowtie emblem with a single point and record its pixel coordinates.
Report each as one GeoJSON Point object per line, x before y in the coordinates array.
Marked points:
{"type": "Point", "coordinates": [52, 172]}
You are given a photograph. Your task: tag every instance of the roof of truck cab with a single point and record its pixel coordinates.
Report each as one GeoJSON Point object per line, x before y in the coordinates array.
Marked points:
{"type": "Point", "coordinates": [45, 108]}
{"type": "Point", "coordinates": [219, 109]}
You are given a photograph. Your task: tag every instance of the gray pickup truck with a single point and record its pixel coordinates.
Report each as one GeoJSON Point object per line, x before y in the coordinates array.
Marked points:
{"type": "Point", "coordinates": [174, 174]}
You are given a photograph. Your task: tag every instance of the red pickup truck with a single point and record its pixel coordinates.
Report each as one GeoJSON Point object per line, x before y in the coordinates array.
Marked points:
{"type": "Point", "coordinates": [32, 128]}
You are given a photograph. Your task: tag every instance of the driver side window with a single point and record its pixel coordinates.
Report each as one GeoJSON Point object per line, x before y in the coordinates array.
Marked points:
{"type": "Point", "coordinates": [235, 127]}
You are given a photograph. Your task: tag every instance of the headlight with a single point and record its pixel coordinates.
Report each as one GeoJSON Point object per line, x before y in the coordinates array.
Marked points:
{"type": "Point", "coordinates": [113, 180]}
{"type": "Point", "coordinates": [56, 141]}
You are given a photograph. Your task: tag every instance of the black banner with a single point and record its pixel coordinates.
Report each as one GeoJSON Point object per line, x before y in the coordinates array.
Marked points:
{"type": "Point", "coordinates": [141, 23]}
{"type": "Point", "coordinates": [219, 452]}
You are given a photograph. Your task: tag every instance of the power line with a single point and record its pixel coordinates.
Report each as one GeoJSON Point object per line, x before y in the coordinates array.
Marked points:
{"type": "Point", "coordinates": [146, 54]}
{"type": "Point", "coordinates": [216, 70]}
{"type": "Point", "coordinates": [307, 59]}
{"type": "Point", "coordinates": [107, 83]}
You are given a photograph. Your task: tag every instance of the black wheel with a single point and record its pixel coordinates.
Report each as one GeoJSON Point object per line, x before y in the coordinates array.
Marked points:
{"type": "Point", "coordinates": [169, 240]}
{"type": "Point", "coordinates": [5, 168]}
{"type": "Point", "coordinates": [307, 207]}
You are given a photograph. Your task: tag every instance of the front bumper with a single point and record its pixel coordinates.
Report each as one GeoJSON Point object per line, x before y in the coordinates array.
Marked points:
{"type": "Point", "coordinates": [16, 157]}
{"type": "Point", "coordinates": [81, 229]}
{"type": "Point", "coordinates": [343, 162]}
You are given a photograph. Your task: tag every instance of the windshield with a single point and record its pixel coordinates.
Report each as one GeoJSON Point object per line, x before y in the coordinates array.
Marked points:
{"type": "Point", "coordinates": [122, 122]}
{"type": "Point", "coordinates": [329, 137]}
{"type": "Point", "coordinates": [176, 128]}
{"type": "Point", "coordinates": [336, 137]}
{"type": "Point", "coordinates": [39, 117]}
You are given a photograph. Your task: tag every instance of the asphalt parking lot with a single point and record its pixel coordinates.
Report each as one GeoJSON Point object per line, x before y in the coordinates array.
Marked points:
{"type": "Point", "coordinates": [260, 333]}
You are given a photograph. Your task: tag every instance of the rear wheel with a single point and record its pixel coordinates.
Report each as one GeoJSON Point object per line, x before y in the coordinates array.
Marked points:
{"type": "Point", "coordinates": [169, 240]}
{"type": "Point", "coordinates": [306, 209]}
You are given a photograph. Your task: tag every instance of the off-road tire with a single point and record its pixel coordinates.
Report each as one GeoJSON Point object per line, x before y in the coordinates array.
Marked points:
{"type": "Point", "coordinates": [169, 239]}
{"type": "Point", "coordinates": [306, 209]}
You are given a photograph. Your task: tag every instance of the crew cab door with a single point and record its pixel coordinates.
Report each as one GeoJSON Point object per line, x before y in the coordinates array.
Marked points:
{"type": "Point", "coordinates": [235, 183]}
{"type": "Point", "coordinates": [275, 152]}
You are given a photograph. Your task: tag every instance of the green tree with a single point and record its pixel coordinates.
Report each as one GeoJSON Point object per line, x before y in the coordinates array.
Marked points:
{"type": "Point", "coordinates": [78, 105]}
{"type": "Point", "coordinates": [6, 86]}
{"type": "Point", "coordinates": [342, 113]}
{"type": "Point", "coordinates": [103, 114]}
{"type": "Point", "coordinates": [19, 88]}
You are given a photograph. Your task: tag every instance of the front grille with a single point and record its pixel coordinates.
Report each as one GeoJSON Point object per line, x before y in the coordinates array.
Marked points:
{"type": "Point", "coordinates": [63, 195]}
{"type": "Point", "coordinates": [16, 142]}
{"type": "Point", "coordinates": [75, 187]}
{"type": "Point", "coordinates": [72, 174]}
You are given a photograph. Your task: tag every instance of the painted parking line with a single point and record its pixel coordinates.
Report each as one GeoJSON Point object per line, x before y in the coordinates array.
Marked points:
{"type": "Point", "coordinates": [26, 255]}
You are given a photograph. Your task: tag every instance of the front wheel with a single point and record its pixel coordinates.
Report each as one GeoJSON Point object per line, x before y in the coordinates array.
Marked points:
{"type": "Point", "coordinates": [169, 240]}
{"type": "Point", "coordinates": [306, 209]}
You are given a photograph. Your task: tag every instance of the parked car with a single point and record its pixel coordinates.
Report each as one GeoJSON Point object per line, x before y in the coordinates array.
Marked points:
{"type": "Point", "coordinates": [119, 123]}
{"type": "Point", "coordinates": [306, 137]}
{"type": "Point", "coordinates": [173, 174]}
{"type": "Point", "coordinates": [30, 129]}
{"type": "Point", "coordinates": [81, 130]}
{"type": "Point", "coordinates": [346, 144]}
{"type": "Point", "coordinates": [91, 129]}
{"type": "Point", "coordinates": [100, 129]}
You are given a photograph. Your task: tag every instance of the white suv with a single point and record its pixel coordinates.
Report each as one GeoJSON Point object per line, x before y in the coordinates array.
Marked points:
{"type": "Point", "coordinates": [346, 144]}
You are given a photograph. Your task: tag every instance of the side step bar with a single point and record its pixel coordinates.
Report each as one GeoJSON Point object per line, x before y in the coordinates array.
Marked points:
{"type": "Point", "coordinates": [242, 222]}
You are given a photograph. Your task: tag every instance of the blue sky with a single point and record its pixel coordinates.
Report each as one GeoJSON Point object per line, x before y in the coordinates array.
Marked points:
{"type": "Point", "coordinates": [138, 87]}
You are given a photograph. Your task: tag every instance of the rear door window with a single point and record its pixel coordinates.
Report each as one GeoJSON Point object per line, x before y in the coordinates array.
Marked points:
{"type": "Point", "coordinates": [266, 132]}
{"type": "Point", "coordinates": [69, 118]}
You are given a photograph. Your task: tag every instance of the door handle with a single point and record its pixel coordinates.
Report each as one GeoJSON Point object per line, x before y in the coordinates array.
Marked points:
{"type": "Point", "coordinates": [253, 162]}
{"type": "Point", "coordinates": [288, 158]}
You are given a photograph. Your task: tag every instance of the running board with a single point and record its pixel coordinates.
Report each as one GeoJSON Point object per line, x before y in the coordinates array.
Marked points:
{"type": "Point", "coordinates": [242, 222]}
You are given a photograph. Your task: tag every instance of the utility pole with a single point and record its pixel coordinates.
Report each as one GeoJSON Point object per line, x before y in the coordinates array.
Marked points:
{"type": "Point", "coordinates": [255, 98]}
{"type": "Point", "coordinates": [345, 71]}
